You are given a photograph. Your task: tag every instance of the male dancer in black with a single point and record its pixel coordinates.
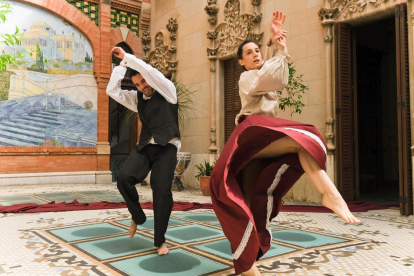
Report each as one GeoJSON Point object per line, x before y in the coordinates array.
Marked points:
{"type": "Point", "coordinates": [156, 103]}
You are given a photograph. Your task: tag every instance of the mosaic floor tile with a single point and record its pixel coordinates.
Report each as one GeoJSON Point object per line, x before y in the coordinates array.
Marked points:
{"type": "Point", "coordinates": [304, 239]}
{"type": "Point", "coordinates": [192, 233]}
{"type": "Point", "coordinates": [87, 231]}
{"type": "Point", "coordinates": [177, 263]}
{"type": "Point", "coordinates": [379, 246]}
{"type": "Point", "coordinates": [8, 203]}
{"type": "Point", "coordinates": [117, 247]}
{"type": "Point", "coordinates": [199, 217]}
{"type": "Point", "coordinates": [222, 248]}
{"type": "Point", "coordinates": [149, 223]}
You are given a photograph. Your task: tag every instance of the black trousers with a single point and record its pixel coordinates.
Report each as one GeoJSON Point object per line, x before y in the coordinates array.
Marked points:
{"type": "Point", "coordinates": [161, 161]}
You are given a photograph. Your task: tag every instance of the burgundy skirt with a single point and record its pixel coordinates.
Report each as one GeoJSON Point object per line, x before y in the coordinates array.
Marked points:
{"type": "Point", "coordinates": [248, 229]}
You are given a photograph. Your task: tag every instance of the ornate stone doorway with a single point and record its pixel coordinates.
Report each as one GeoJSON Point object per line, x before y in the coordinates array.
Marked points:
{"type": "Point", "coordinates": [372, 111]}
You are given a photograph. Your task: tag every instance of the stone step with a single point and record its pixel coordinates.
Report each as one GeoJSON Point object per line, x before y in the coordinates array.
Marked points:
{"type": "Point", "coordinates": [42, 120]}
{"type": "Point", "coordinates": [31, 122]}
{"type": "Point", "coordinates": [7, 142]}
{"type": "Point", "coordinates": [32, 133]}
{"type": "Point", "coordinates": [23, 126]}
{"type": "Point", "coordinates": [21, 137]}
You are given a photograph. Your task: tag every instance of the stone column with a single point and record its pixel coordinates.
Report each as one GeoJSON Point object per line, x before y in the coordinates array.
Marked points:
{"type": "Point", "coordinates": [212, 10]}
{"type": "Point", "coordinates": [104, 73]}
{"type": "Point", "coordinates": [327, 16]}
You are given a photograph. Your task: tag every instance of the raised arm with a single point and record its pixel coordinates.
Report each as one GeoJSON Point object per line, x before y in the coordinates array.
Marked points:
{"type": "Point", "coordinates": [273, 76]}
{"type": "Point", "coordinates": [127, 98]}
{"type": "Point", "coordinates": [151, 75]}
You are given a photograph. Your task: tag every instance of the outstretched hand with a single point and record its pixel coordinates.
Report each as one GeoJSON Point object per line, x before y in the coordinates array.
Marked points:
{"type": "Point", "coordinates": [118, 52]}
{"type": "Point", "coordinates": [276, 25]}
{"type": "Point", "coordinates": [280, 40]}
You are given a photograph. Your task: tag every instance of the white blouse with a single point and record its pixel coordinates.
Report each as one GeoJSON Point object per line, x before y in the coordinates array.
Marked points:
{"type": "Point", "coordinates": [258, 88]}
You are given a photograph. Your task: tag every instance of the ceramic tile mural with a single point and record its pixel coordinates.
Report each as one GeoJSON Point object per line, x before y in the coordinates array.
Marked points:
{"type": "Point", "coordinates": [50, 97]}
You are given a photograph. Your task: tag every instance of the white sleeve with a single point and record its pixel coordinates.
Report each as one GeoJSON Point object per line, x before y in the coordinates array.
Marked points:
{"type": "Point", "coordinates": [273, 76]}
{"type": "Point", "coordinates": [153, 77]}
{"type": "Point", "coordinates": [127, 98]}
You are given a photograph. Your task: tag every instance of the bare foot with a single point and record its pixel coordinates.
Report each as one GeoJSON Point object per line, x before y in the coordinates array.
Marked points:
{"type": "Point", "coordinates": [253, 271]}
{"type": "Point", "coordinates": [162, 250]}
{"type": "Point", "coordinates": [337, 204]}
{"type": "Point", "coordinates": [132, 228]}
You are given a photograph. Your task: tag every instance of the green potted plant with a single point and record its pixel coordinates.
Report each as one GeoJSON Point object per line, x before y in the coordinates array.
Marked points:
{"type": "Point", "coordinates": [204, 173]}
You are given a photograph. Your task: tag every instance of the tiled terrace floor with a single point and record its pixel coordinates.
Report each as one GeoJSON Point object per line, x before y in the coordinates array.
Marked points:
{"type": "Point", "coordinates": [96, 242]}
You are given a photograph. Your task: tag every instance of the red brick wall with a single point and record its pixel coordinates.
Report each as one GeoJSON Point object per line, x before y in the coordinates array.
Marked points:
{"type": "Point", "coordinates": [68, 159]}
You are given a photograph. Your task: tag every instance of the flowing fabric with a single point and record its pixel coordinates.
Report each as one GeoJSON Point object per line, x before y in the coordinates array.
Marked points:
{"type": "Point", "coordinates": [248, 229]}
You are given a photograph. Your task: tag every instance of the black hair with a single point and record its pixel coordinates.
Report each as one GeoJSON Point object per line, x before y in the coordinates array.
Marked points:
{"type": "Point", "coordinates": [240, 50]}
{"type": "Point", "coordinates": [134, 72]}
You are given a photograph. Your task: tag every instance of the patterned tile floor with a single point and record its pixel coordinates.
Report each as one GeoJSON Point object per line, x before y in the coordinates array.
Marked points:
{"type": "Point", "coordinates": [97, 243]}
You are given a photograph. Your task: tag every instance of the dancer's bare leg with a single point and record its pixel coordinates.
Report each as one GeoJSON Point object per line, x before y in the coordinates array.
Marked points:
{"type": "Point", "coordinates": [331, 198]}
{"type": "Point", "coordinates": [162, 250]}
{"type": "Point", "coordinates": [254, 271]}
{"type": "Point", "coordinates": [132, 228]}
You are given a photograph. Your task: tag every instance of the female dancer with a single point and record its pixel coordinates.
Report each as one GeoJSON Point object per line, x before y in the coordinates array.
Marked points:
{"type": "Point", "coordinates": [265, 156]}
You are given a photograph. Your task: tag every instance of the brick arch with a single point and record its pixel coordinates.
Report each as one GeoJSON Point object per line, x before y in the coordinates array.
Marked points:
{"type": "Point", "coordinates": [133, 41]}
{"type": "Point", "coordinates": [79, 20]}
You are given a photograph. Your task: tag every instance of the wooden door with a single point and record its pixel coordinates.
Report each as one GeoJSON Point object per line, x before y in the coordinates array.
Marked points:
{"type": "Point", "coordinates": [232, 104]}
{"type": "Point", "coordinates": [346, 126]}
{"type": "Point", "coordinates": [403, 106]}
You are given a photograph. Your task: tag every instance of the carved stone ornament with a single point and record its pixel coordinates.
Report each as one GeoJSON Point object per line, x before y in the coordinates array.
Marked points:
{"type": "Point", "coordinates": [212, 53]}
{"type": "Point", "coordinates": [172, 65]}
{"type": "Point", "coordinates": [330, 136]}
{"type": "Point", "coordinates": [257, 17]}
{"type": "Point", "coordinates": [172, 25]}
{"type": "Point", "coordinates": [172, 49]}
{"type": "Point", "coordinates": [328, 38]}
{"type": "Point", "coordinates": [211, 34]}
{"type": "Point", "coordinates": [173, 36]}
{"type": "Point", "coordinates": [236, 28]}
{"type": "Point", "coordinates": [212, 9]}
{"type": "Point", "coordinates": [329, 121]}
{"type": "Point", "coordinates": [160, 56]}
{"type": "Point", "coordinates": [327, 16]}
{"type": "Point", "coordinates": [146, 38]}
{"type": "Point", "coordinates": [257, 38]}
{"type": "Point", "coordinates": [256, 2]}
{"type": "Point", "coordinates": [346, 7]}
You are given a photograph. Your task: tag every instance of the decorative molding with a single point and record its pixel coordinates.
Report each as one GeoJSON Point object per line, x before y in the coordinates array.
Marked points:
{"type": "Point", "coordinates": [346, 7]}
{"type": "Point", "coordinates": [126, 7]}
{"type": "Point", "coordinates": [329, 121]}
{"type": "Point", "coordinates": [146, 40]}
{"type": "Point", "coordinates": [162, 57]}
{"type": "Point", "coordinates": [212, 10]}
{"type": "Point", "coordinates": [236, 28]}
{"type": "Point", "coordinates": [212, 34]}
{"type": "Point", "coordinates": [213, 136]}
{"type": "Point", "coordinates": [327, 16]}
{"type": "Point", "coordinates": [330, 136]}
{"type": "Point", "coordinates": [212, 53]}
{"type": "Point", "coordinates": [172, 25]}
{"type": "Point", "coordinates": [212, 69]}
{"type": "Point", "coordinates": [257, 17]}
{"type": "Point", "coordinates": [256, 2]}
{"type": "Point", "coordinates": [328, 38]}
